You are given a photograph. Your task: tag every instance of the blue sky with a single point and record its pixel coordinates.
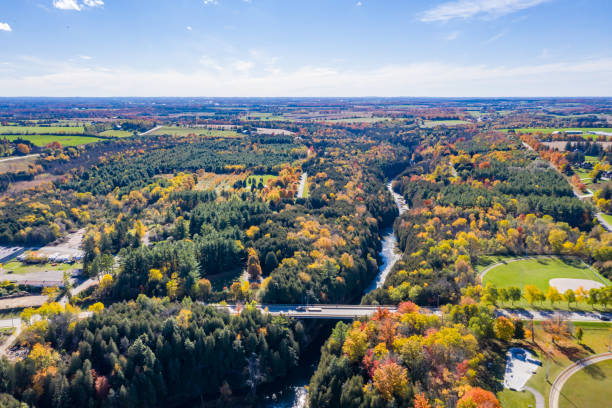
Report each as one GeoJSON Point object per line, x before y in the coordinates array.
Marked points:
{"type": "Point", "coordinates": [305, 48]}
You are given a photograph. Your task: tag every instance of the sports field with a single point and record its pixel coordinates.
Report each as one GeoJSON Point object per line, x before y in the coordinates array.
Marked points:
{"type": "Point", "coordinates": [589, 387]}
{"type": "Point", "coordinates": [43, 140]}
{"type": "Point", "coordinates": [539, 272]}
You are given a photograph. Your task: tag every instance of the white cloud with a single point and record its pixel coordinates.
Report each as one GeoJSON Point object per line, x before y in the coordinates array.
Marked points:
{"type": "Point", "coordinates": [93, 3]}
{"type": "Point", "coordinates": [207, 2]}
{"type": "Point", "coordinates": [476, 8]}
{"type": "Point", "coordinates": [495, 37]}
{"type": "Point", "coordinates": [66, 5]}
{"type": "Point", "coordinates": [359, 4]}
{"type": "Point", "coordinates": [85, 57]}
{"type": "Point", "coordinates": [452, 36]}
{"type": "Point", "coordinates": [435, 79]}
{"type": "Point", "coordinates": [5, 27]}
{"type": "Point", "coordinates": [189, 28]}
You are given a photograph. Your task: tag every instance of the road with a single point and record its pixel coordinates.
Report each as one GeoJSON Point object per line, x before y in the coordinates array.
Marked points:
{"type": "Point", "coordinates": [539, 398]}
{"type": "Point", "coordinates": [557, 385]}
{"type": "Point", "coordinates": [19, 157]}
{"type": "Point", "coordinates": [303, 178]}
{"type": "Point", "coordinates": [78, 289]}
{"type": "Point", "coordinates": [357, 311]}
{"type": "Point", "coordinates": [150, 130]}
{"type": "Point", "coordinates": [603, 222]}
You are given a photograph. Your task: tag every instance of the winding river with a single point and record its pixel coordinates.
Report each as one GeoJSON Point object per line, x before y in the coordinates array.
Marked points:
{"type": "Point", "coordinates": [295, 394]}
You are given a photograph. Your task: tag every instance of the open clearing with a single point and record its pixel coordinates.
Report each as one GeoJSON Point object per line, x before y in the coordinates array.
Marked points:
{"type": "Point", "coordinates": [560, 145]}
{"type": "Point", "coordinates": [539, 272]}
{"type": "Point", "coordinates": [264, 178]}
{"type": "Point", "coordinates": [116, 133]}
{"type": "Point", "coordinates": [563, 284]}
{"type": "Point", "coordinates": [589, 387]}
{"type": "Point", "coordinates": [9, 164]}
{"type": "Point", "coordinates": [43, 140]}
{"type": "Point", "coordinates": [185, 131]}
{"type": "Point", "coordinates": [213, 181]}
{"type": "Point", "coordinates": [434, 123]}
{"type": "Point", "coordinates": [40, 130]}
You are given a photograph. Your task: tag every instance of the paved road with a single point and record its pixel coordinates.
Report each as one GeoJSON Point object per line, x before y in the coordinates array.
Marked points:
{"type": "Point", "coordinates": [150, 130]}
{"type": "Point", "coordinates": [557, 385]}
{"type": "Point", "coordinates": [78, 289]}
{"type": "Point", "coordinates": [357, 311]}
{"type": "Point", "coordinates": [303, 178]}
{"type": "Point", "coordinates": [603, 222]}
{"type": "Point", "coordinates": [19, 157]}
{"type": "Point", "coordinates": [539, 398]}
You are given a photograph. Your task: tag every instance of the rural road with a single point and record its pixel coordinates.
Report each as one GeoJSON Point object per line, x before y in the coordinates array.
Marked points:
{"type": "Point", "coordinates": [539, 398]}
{"type": "Point", "coordinates": [19, 157]}
{"type": "Point", "coordinates": [603, 222]}
{"type": "Point", "coordinates": [150, 130]}
{"type": "Point", "coordinates": [303, 178]}
{"type": "Point", "coordinates": [557, 385]}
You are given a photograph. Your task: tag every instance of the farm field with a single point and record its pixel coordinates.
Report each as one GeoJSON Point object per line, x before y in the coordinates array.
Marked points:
{"type": "Point", "coordinates": [116, 133]}
{"type": "Point", "coordinates": [359, 120]}
{"type": "Point", "coordinates": [264, 178]}
{"type": "Point", "coordinates": [588, 387]}
{"type": "Point", "coordinates": [433, 123]}
{"type": "Point", "coordinates": [185, 131]}
{"type": "Point", "coordinates": [539, 272]}
{"type": "Point", "coordinates": [43, 140]}
{"type": "Point", "coordinates": [41, 130]}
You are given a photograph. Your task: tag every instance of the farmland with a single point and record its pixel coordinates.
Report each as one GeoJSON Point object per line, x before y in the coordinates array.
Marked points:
{"type": "Point", "coordinates": [43, 139]}
{"type": "Point", "coordinates": [41, 130]}
{"type": "Point", "coordinates": [116, 133]}
{"type": "Point", "coordinates": [432, 123]}
{"type": "Point", "coordinates": [185, 131]}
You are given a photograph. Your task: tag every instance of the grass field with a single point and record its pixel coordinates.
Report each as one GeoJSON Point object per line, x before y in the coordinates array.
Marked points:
{"type": "Point", "coordinates": [358, 120]}
{"type": "Point", "coordinates": [607, 217]}
{"type": "Point", "coordinates": [264, 178]}
{"type": "Point", "coordinates": [539, 272]}
{"type": "Point", "coordinates": [72, 130]}
{"type": "Point", "coordinates": [21, 164]}
{"type": "Point", "coordinates": [21, 268]}
{"type": "Point", "coordinates": [589, 387]}
{"type": "Point", "coordinates": [116, 133]}
{"type": "Point", "coordinates": [213, 181]}
{"type": "Point", "coordinates": [433, 123]}
{"type": "Point", "coordinates": [595, 340]}
{"type": "Point", "coordinates": [515, 399]}
{"type": "Point", "coordinates": [184, 131]}
{"type": "Point", "coordinates": [43, 140]}
{"type": "Point", "coordinates": [306, 189]}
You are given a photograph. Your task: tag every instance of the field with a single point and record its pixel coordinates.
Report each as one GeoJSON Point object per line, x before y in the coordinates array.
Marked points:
{"type": "Point", "coordinates": [539, 272]}
{"type": "Point", "coordinates": [589, 387]}
{"type": "Point", "coordinates": [213, 181]}
{"type": "Point", "coordinates": [43, 140]}
{"type": "Point", "coordinates": [41, 130]}
{"type": "Point", "coordinates": [264, 178]}
{"type": "Point", "coordinates": [433, 123]}
{"type": "Point", "coordinates": [607, 217]}
{"type": "Point", "coordinates": [184, 131]}
{"type": "Point", "coordinates": [515, 399]}
{"type": "Point", "coordinates": [15, 165]}
{"type": "Point", "coordinates": [358, 120]}
{"type": "Point", "coordinates": [21, 268]}
{"type": "Point", "coordinates": [116, 133]}
{"type": "Point", "coordinates": [566, 351]}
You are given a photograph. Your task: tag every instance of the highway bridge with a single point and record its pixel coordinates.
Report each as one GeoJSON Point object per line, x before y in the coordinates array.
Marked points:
{"type": "Point", "coordinates": [349, 312]}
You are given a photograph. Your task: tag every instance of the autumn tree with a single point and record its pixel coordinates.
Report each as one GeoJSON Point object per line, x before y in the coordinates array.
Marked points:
{"type": "Point", "coordinates": [478, 398]}
{"type": "Point", "coordinates": [253, 267]}
{"type": "Point", "coordinates": [503, 328]}
{"type": "Point", "coordinates": [391, 380]}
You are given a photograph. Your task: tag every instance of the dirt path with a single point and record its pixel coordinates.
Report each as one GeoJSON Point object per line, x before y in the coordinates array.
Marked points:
{"type": "Point", "coordinates": [557, 385]}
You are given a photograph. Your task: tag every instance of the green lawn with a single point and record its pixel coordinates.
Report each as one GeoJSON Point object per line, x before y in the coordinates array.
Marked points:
{"type": "Point", "coordinates": [21, 268]}
{"type": "Point", "coordinates": [589, 387]}
{"type": "Point", "coordinates": [264, 178]}
{"type": "Point", "coordinates": [432, 123]}
{"type": "Point", "coordinates": [42, 129]}
{"type": "Point", "coordinates": [516, 399]}
{"type": "Point", "coordinates": [306, 190]}
{"type": "Point", "coordinates": [43, 140]}
{"type": "Point", "coordinates": [539, 272]}
{"type": "Point", "coordinates": [607, 217]}
{"type": "Point", "coordinates": [116, 133]}
{"type": "Point", "coordinates": [184, 131]}
{"type": "Point", "coordinates": [595, 340]}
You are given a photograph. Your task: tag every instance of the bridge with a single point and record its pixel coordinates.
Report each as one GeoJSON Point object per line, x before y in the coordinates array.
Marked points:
{"type": "Point", "coordinates": [349, 312]}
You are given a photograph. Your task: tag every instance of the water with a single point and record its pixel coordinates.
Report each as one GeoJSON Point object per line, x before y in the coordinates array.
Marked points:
{"type": "Point", "coordinates": [295, 394]}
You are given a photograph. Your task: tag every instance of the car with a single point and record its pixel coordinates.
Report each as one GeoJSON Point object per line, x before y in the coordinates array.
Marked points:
{"type": "Point", "coordinates": [604, 318]}
{"type": "Point", "coordinates": [300, 308]}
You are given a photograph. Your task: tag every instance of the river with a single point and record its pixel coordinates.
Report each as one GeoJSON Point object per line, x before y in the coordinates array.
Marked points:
{"type": "Point", "coordinates": [294, 394]}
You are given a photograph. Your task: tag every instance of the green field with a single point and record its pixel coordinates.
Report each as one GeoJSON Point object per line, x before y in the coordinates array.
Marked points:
{"type": "Point", "coordinates": [433, 123]}
{"type": "Point", "coordinates": [607, 217]}
{"type": "Point", "coordinates": [516, 399]}
{"type": "Point", "coordinates": [21, 268]}
{"type": "Point", "coordinates": [589, 387]}
{"type": "Point", "coordinates": [184, 131]}
{"type": "Point", "coordinates": [116, 133]}
{"type": "Point", "coordinates": [257, 178]}
{"type": "Point", "coordinates": [595, 340]}
{"type": "Point", "coordinates": [358, 120]}
{"type": "Point", "coordinates": [43, 140]}
{"type": "Point", "coordinates": [539, 272]}
{"type": "Point", "coordinates": [547, 131]}
{"type": "Point", "coordinates": [40, 130]}
{"type": "Point", "coordinates": [306, 189]}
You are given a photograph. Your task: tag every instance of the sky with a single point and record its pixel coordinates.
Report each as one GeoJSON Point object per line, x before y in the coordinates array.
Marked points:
{"type": "Point", "coordinates": [432, 48]}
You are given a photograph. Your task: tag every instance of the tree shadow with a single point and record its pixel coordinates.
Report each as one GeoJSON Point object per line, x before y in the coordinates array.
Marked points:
{"type": "Point", "coordinates": [572, 352]}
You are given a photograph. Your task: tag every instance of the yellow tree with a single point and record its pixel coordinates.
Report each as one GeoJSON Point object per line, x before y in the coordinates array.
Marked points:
{"type": "Point", "coordinates": [390, 379]}
{"type": "Point", "coordinates": [553, 295]}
